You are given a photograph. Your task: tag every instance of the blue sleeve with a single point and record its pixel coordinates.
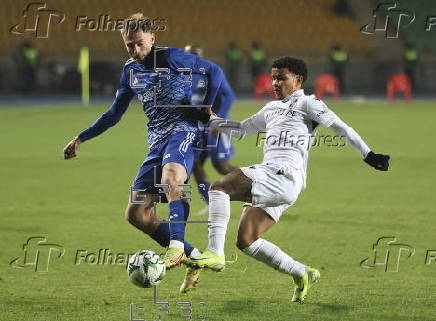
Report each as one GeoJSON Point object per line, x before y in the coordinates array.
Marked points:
{"type": "Point", "coordinates": [181, 59]}
{"type": "Point", "coordinates": [224, 100]}
{"type": "Point", "coordinates": [113, 115]}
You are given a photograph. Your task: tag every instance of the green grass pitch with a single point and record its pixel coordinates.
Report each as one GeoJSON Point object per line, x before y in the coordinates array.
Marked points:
{"type": "Point", "coordinates": [79, 204]}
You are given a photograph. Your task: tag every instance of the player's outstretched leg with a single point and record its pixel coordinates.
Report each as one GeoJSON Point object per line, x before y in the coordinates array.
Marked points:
{"type": "Point", "coordinates": [234, 186]}
{"type": "Point", "coordinates": [174, 175]}
{"type": "Point", "coordinates": [254, 222]}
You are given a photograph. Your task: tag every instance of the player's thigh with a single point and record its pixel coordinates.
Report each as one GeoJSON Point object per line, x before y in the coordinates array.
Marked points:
{"type": "Point", "coordinates": [254, 222]}
{"type": "Point", "coordinates": [236, 185]}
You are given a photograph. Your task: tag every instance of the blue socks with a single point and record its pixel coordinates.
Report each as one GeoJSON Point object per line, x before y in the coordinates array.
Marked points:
{"type": "Point", "coordinates": [179, 211]}
{"type": "Point", "coordinates": [203, 189]}
{"type": "Point", "coordinates": [162, 236]}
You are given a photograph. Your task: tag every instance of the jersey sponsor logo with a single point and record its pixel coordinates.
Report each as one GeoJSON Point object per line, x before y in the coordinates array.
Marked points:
{"type": "Point", "coordinates": [280, 112]}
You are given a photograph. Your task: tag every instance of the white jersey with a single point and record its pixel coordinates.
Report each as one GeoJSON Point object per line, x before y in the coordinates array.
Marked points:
{"type": "Point", "coordinates": [290, 125]}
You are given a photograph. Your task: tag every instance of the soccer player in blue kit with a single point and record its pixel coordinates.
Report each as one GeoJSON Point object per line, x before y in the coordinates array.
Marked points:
{"type": "Point", "coordinates": [217, 146]}
{"type": "Point", "coordinates": [171, 135]}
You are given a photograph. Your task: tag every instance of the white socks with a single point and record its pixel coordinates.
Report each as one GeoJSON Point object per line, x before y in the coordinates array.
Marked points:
{"type": "Point", "coordinates": [268, 253]}
{"type": "Point", "coordinates": [219, 215]}
{"type": "Point", "coordinates": [177, 244]}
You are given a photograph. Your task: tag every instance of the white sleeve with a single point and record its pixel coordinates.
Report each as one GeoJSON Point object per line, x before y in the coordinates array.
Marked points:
{"type": "Point", "coordinates": [255, 123]}
{"type": "Point", "coordinates": [319, 112]}
{"type": "Point", "coordinates": [353, 138]}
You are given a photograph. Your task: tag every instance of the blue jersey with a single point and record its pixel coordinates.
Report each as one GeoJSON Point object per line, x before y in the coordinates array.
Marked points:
{"type": "Point", "coordinates": [199, 88]}
{"type": "Point", "coordinates": [168, 85]}
{"type": "Point", "coordinates": [224, 98]}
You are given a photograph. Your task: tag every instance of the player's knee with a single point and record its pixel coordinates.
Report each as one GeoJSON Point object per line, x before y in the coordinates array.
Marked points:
{"type": "Point", "coordinates": [172, 186]}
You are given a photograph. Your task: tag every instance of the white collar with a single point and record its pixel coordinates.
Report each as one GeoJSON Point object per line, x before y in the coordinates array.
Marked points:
{"type": "Point", "coordinates": [295, 94]}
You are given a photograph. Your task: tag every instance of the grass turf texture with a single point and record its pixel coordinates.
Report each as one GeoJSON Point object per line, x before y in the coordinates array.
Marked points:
{"type": "Point", "coordinates": [346, 207]}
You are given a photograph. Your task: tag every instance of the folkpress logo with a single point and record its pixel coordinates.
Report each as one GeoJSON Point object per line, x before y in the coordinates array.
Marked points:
{"type": "Point", "coordinates": [38, 254]}
{"type": "Point", "coordinates": [387, 252]}
{"type": "Point", "coordinates": [388, 19]}
{"type": "Point", "coordinates": [38, 19]}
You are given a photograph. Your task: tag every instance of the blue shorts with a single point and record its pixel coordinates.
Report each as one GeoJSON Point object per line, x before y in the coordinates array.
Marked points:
{"type": "Point", "coordinates": [178, 148]}
{"type": "Point", "coordinates": [219, 149]}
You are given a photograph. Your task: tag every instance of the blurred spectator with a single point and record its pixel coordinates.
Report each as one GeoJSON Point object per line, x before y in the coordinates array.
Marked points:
{"type": "Point", "coordinates": [26, 59]}
{"type": "Point", "coordinates": [233, 63]}
{"type": "Point", "coordinates": [341, 8]}
{"type": "Point", "coordinates": [257, 60]}
{"type": "Point", "coordinates": [104, 77]}
{"type": "Point", "coordinates": [339, 60]}
{"type": "Point", "coordinates": [410, 59]}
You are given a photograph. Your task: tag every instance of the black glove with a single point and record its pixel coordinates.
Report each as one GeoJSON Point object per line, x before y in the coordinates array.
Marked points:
{"type": "Point", "coordinates": [378, 161]}
{"type": "Point", "coordinates": [192, 113]}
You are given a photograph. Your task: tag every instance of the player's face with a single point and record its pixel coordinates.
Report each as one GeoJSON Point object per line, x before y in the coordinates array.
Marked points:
{"type": "Point", "coordinates": [285, 82]}
{"type": "Point", "coordinates": [139, 44]}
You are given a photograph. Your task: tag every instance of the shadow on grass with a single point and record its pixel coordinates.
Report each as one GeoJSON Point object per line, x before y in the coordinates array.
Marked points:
{"type": "Point", "coordinates": [331, 308]}
{"type": "Point", "coordinates": [240, 306]}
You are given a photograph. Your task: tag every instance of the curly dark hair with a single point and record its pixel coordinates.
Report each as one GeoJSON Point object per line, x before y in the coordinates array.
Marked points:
{"type": "Point", "coordinates": [297, 66]}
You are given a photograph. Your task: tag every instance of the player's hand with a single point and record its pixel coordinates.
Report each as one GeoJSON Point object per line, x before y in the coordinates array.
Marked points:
{"type": "Point", "coordinates": [230, 127]}
{"type": "Point", "coordinates": [378, 161]}
{"type": "Point", "coordinates": [71, 148]}
{"type": "Point", "coordinates": [208, 110]}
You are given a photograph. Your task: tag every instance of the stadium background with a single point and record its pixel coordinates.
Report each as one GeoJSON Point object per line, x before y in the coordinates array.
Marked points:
{"type": "Point", "coordinates": [306, 29]}
{"type": "Point", "coordinates": [346, 208]}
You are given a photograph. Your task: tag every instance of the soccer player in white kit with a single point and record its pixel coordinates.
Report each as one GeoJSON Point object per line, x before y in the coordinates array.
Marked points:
{"type": "Point", "coordinates": [271, 187]}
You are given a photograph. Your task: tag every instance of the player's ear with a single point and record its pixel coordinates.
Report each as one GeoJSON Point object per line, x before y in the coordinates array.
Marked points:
{"type": "Point", "coordinates": [152, 37]}
{"type": "Point", "coordinates": [300, 79]}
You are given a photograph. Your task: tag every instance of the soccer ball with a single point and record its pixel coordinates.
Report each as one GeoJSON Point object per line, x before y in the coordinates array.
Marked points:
{"type": "Point", "coordinates": [145, 269]}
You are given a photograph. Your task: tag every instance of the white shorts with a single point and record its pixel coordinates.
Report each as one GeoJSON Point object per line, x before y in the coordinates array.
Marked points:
{"type": "Point", "coordinates": [273, 190]}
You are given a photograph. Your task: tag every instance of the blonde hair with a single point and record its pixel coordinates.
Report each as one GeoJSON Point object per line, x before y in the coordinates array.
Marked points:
{"type": "Point", "coordinates": [136, 22]}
